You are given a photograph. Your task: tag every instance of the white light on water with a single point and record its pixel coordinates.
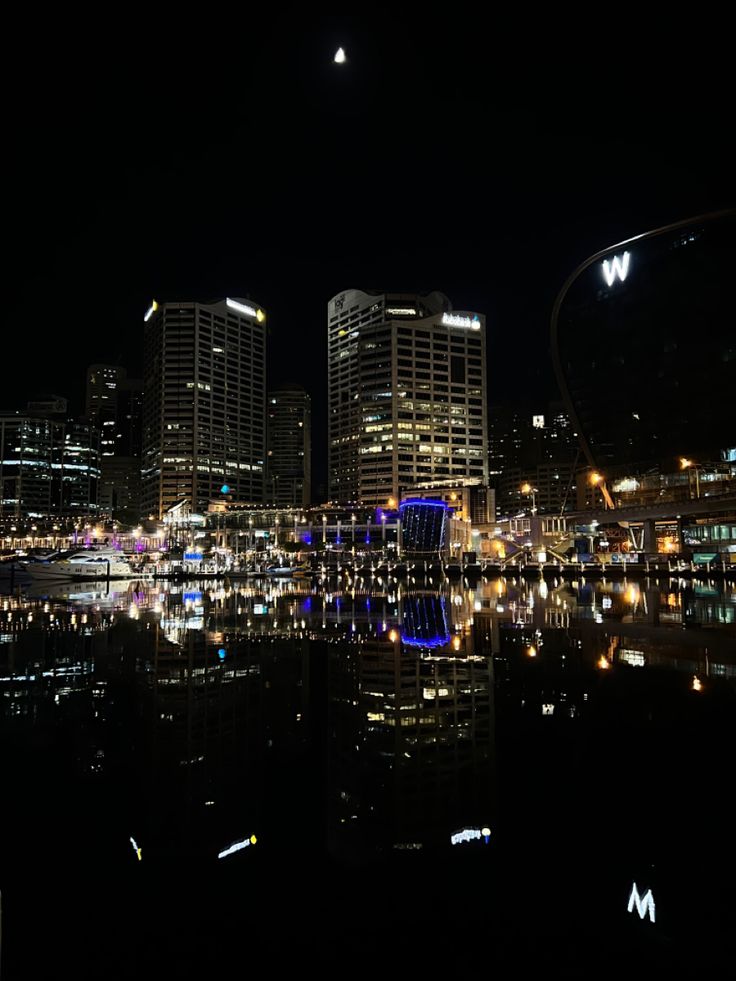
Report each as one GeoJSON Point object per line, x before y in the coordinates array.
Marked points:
{"type": "Point", "coordinates": [644, 905]}
{"type": "Point", "coordinates": [237, 846]}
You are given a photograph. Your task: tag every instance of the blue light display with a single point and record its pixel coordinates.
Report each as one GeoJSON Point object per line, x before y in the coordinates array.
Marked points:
{"type": "Point", "coordinates": [423, 526]}
{"type": "Point", "coordinates": [222, 653]}
{"type": "Point", "coordinates": [425, 621]}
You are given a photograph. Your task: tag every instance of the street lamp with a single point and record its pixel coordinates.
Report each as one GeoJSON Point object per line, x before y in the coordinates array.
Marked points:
{"type": "Point", "coordinates": [598, 480]}
{"type": "Point", "coordinates": [324, 529]}
{"type": "Point", "coordinates": [689, 465]}
{"type": "Point", "coordinates": [528, 489]}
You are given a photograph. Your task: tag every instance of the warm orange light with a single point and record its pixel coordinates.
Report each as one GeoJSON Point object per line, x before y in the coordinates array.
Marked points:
{"type": "Point", "coordinates": [526, 488]}
{"type": "Point", "coordinates": [603, 663]}
{"type": "Point", "coordinates": [392, 502]}
{"type": "Point", "coordinates": [456, 643]}
{"type": "Point", "coordinates": [453, 496]}
{"type": "Point", "coordinates": [685, 463]}
{"type": "Point", "coordinates": [697, 683]}
{"type": "Point", "coordinates": [393, 636]}
{"type": "Point", "coordinates": [596, 478]}
{"type": "Point", "coordinates": [531, 650]}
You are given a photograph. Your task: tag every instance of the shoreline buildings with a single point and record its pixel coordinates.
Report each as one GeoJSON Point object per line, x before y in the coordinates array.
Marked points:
{"type": "Point", "coordinates": [204, 414]}
{"type": "Point", "coordinates": [289, 439]}
{"type": "Point", "coordinates": [406, 395]}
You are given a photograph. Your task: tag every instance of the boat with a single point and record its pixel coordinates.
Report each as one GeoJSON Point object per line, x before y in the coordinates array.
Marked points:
{"type": "Point", "coordinates": [287, 570]}
{"type": "Point", "coordinates": [103, 563]}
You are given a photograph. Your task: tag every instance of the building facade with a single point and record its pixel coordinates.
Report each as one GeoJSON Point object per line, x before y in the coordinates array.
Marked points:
{"type": "Point", "coordinates": [48, 466]}
{"type": "Point", "coordinates": [289, 439]}
{"type": "Point", "coordinates": [407, 394]}
{"type": "Point", "coordinates": [114, 403]}
{"type": "Point", "coordinates": [643, 348]}
{"type": "Point", "coordinates": [535, 447]}
{"type": "Point", "coordinates": [205, 403]}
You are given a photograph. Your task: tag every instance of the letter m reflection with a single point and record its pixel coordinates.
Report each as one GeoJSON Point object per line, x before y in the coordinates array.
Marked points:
{"type": "Point", "coordinates": [616, 267]}
{"type": "Point", "coordinates": [644, 904]}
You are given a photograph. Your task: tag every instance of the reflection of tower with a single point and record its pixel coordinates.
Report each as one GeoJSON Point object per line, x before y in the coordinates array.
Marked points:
{"type": "Point", "coordinates": [411, 747]}
{"type": "Point", "coordinates": [225, 710]}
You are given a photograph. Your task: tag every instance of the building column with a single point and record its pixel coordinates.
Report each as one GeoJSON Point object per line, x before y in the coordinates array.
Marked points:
{"type": "Point", "coordinates": [649, 537]}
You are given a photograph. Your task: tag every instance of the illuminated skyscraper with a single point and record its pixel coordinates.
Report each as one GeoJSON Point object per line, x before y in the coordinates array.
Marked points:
{"type": "Point", "coordinates": [407, 386]}
{"type": "Point", "coordinates": [204, 405]}
{"type": "Point", "coordinates": [114, 404]}
{"type": "Point", "coordinates": [289, 473]}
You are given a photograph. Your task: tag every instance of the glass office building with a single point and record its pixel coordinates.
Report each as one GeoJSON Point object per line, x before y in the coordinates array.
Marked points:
{"type": "Point", "coordinates": [644, 345]}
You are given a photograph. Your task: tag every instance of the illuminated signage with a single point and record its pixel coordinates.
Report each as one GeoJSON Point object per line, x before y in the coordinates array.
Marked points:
{"type": "Point", "coordinates": [625, 485]}
{"type": "Point", "coordinates": [644, 904]}
{"type": "Point", "coordinates": [455, 320]}
{"type": "Point", "coordinates": [259, 609]}
{"type": "Point", "coordinates": [244, 308]}
{"type": "Point", "coordinates": [401, 311]}
{"type": "Point", "coordinates": [471, 834]}
{"type": "Point", "coordinates": [616, 267]}
{"type": "Point", "coordinates": [192, 556]}
{"type": "Point", "coordinates": [150, 312]}
{"type": "Point", "coordinates": [538, 422]}
{"type": "Point", "coordinates": [238, 846]}
{"type": "Point", "coordinates": [136, 849]}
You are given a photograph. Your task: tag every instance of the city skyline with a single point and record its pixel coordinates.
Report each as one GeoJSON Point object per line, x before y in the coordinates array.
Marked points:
{"type": "Point", "coordinates": [262, 177]}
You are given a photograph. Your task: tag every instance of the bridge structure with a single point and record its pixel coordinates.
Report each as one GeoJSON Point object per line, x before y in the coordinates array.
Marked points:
{"type": "Point", "coordinates": [645, 517]}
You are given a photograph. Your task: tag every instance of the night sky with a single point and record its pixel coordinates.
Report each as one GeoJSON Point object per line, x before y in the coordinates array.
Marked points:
{"type": "Point", "coordinates": [197, 160]}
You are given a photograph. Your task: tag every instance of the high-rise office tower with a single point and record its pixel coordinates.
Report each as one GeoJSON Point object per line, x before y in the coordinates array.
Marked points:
{"type": "Point", "coordinates": [407, 394]}
{"type": "Point", "coordinates": [114, 405]}
{"type": "Point", "coordinates": [204, 404]}
{"type": "Point", "coordinates": [289, 425]}
{"type": "Point", "coordinates": [49, 465]}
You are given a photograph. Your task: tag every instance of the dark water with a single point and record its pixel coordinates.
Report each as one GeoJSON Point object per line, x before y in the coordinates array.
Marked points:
{"type": "Point", "coordinates": [581, 735]}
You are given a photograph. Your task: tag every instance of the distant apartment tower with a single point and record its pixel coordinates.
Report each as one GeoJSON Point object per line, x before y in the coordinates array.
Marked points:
{"type": "Point", "coordinates": [535, 446]}
{"type": "Point", "coordinates": [204, 404]}
{"type": "Point", "coordinates": [289, 438]}
{"type": "Point", "coordinates": [407, 394]}
{"type": "Point", "coordinates": [114, 403]}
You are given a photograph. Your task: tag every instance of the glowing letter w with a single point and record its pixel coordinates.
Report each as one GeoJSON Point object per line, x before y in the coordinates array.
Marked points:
{"type": "Point", "coordinates": [643, 904]}
{"type": "Point", "coordinates": [616, 267]}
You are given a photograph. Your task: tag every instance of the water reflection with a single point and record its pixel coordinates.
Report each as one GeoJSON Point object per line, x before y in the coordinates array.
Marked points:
{"type": "Point", "coordinates": [374, 724]}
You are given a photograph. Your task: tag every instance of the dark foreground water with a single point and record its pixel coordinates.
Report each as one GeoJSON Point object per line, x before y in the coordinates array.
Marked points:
{"type": "Point", "coordinates": [459, 778]}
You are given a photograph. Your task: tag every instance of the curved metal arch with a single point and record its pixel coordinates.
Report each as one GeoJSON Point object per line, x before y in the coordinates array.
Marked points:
{"type": "Point", "coordinates": [554, 334]}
